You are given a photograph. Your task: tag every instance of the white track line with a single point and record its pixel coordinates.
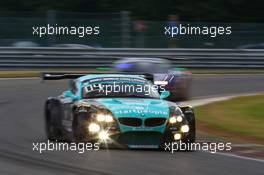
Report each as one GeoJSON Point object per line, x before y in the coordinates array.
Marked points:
{"type": "Point", "coordinates": [237, 156]}
{"type": "Point", "coordinates": [207, 100]}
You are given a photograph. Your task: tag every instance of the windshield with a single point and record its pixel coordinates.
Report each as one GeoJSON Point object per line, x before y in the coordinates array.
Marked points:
{"type": "Point", "coordinates": [151, 67]}
{"type": "Point", "coordinates": [158, 67]}
{"type": "Point", "coordinates": [120, 87]}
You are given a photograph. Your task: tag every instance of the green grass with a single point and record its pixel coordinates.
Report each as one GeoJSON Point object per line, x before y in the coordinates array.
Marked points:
{"type": "Point", "coordinates": [243, 116]}
{"type": "Point", "coordinates": [19, 74]}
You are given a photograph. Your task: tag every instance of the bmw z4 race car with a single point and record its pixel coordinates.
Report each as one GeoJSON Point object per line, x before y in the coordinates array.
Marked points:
{"type": "Point", "coordinates": [93, 111]}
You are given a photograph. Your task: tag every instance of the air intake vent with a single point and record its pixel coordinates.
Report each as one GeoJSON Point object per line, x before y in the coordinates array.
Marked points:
{"type": "Point", "coordinates": [152, 122]}
{"type": "Point", "coordinates": [129, 121]}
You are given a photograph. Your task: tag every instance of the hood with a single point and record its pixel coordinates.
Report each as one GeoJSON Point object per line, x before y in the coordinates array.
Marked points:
{"type": "Point", "coordinates": [136, 107]}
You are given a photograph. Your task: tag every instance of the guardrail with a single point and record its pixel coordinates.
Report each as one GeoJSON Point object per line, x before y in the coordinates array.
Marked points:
{"type": "Point", "coordinates": [51, 57]}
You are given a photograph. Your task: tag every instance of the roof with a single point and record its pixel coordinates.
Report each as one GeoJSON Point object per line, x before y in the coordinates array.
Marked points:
{"type": "Point", "coordinates": [143, 59]}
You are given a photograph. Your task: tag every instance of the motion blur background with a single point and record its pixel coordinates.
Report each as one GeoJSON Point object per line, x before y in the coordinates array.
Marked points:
{"type": "Point", "coordinates": [133, 24]}
{"type": "Point", "coordinates": [134, 28]}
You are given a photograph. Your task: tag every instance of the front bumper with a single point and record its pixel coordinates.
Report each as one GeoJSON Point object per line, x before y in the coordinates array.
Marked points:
{"type": "Point", "coordinates": [139, 138]}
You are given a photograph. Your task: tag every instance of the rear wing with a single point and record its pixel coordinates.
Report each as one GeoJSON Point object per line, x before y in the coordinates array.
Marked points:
{"type": "Point", "coordinates": [61, 75]}
{"type": "Point", "coordinates": [73, 75]}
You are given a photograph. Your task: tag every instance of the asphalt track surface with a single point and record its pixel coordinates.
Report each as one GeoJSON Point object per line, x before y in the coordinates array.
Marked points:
{"type": "Point", "coordinates": [22, 123]}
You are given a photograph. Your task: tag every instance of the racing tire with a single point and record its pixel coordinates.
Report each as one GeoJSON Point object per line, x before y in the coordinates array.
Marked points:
{"type": "Point", "coordinates": [79, 132]}
{"type": "Point", "coordinates": [53, 130]}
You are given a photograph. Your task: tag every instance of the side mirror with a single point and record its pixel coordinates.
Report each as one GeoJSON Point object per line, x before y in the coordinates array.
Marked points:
{"type": "Point", "coordinates": [164, 94]}
{"type": "Point", "coordinates": [69, 94]}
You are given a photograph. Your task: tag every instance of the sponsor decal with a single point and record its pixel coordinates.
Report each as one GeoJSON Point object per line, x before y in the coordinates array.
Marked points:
{"type": "Point", "coordinates": [144, 111]}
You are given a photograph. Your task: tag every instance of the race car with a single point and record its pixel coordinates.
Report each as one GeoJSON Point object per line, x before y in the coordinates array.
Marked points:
{"type": "Point", "coordinates": [177, 80]}
{"type": "Point", "coordinates": [95, 110]}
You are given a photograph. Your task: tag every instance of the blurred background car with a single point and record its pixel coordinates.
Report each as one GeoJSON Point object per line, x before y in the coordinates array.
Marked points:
{"type": "Point", "coordinates": [175, 79]}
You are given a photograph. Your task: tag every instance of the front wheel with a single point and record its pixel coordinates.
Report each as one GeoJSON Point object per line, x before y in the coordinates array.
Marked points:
{"type": "Point", "coordinates": [53, 131]}
{"type": "Point", "coordinates": [79, 128]}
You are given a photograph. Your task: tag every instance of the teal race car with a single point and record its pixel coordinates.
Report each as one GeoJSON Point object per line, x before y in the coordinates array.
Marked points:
{"type": "Point", "coordinates": [119, 110]}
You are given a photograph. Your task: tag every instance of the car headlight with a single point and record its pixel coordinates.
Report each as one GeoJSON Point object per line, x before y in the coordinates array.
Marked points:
{"type": "Point", "coordinates": [103, 135]}
{"type": "Point", "coordinates": [177, 136]}
{"type": "Point", "coordinates": [185, 128]}
{"type": "Point", "coordinates": [179, 119]}
{"type": "Point", "coordinates": [109, 118]}
{"type": "Point", "coordinates": [100, 117]}
{"type": "Point", "coordinates": [172, 120]}
{"type": "Point", "coordinates": [175, 119]}
{"type": "Point", "coordinates": [175, 115]}
{"type": "Point", "coordinates": [104, 118]}
{"type": "Point", "coordinates": [93, 127]}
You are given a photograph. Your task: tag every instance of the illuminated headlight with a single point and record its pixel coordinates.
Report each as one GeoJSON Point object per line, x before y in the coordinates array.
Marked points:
{"type": "Point", "coordinates": [109, 118]}
{"type": "Point", "coordinates": [104, 118]}
{"type": "Point", "coordinates": [100, 117]}
{"type": "Point", "coordinates": [177, 136]}
{"type": "Point", "coordinates": [172, 120]}
{"type": "Point", "coordinates": [93, 127]}
{"type": "Point", "coordinates": [185, 128]}
{"type": "Point", "coordinates": [179, 119]}
{"type": "Point", "coordinates": [103, 135]}
{"type": "Point", "coordinates": [175, 119]}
